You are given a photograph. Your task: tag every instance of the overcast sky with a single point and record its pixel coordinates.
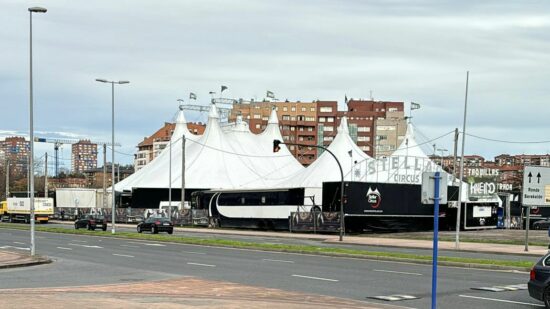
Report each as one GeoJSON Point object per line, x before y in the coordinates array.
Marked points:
{"type": "Point", "coordinates": [302, 50]}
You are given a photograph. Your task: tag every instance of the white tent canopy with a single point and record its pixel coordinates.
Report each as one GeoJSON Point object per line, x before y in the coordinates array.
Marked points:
{"type": "Point", "coordinates": [228, 158]}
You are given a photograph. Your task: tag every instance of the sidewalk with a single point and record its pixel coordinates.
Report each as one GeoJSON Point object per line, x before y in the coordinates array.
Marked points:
{"type": "Point", "coordinates": [368, 241]}
{"type": "Point", "coordinates": [10, 259]}
{"type": "Point", "coordinates": [186, 292]}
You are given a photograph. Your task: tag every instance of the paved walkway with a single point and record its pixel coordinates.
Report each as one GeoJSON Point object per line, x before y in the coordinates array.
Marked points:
{"type": "Point", "coordinates": [187, 292]}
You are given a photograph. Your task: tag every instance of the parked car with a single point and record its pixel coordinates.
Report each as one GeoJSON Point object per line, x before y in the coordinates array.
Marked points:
{"type": "Point", "coordinates": [539, 280]}
{"type": "Point", "coordinates": [541, 224]}
{"type": "Point", "coordinates": [155, 225]}
{"type": "Point", "coordinates": [91, 222]}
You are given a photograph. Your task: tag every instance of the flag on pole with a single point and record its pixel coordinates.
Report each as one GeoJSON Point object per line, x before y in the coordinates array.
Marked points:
{"type": "Point", "coordinates": [270, 94]}
{"type": "Point", "coordinates": [192, 96]}
{"type": "Point", "coordinates": [223, 88]}
{"type": "Point", "coordinates": [346, 99]}
{"type": "Point", "coordinates": [414, 106]}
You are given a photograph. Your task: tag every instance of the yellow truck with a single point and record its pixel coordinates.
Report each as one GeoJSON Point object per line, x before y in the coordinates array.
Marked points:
{"type": "Point", "coordinates": [18, 209]}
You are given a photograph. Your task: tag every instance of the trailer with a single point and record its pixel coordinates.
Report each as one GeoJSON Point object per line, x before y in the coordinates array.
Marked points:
{"type": "Point", "coordinates": [18, 209]}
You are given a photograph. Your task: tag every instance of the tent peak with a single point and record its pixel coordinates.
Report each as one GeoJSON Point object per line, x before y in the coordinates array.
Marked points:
{"type": "Point", "coordinates": [213, 112]}
{"type": "Point", "coordinates": [273, 119]}
{"type": "Point", "coordinates": [343, 128]}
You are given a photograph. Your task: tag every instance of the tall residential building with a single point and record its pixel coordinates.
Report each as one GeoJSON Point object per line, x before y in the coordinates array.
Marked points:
{"type": "Point", "coordinates": [151, 146]}
{"type": "Point", "coordinates": [83, 156]}
{"type": "Point", "coordinates": [17, 150]}
{"type": "Point", "coordinates": [316, 123]}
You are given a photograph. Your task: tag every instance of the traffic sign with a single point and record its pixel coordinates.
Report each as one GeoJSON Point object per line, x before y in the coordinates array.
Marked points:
{"type": "Point", "coordinates": [536, 186]}
{"type": "Point", "coordinates": [428, 185]}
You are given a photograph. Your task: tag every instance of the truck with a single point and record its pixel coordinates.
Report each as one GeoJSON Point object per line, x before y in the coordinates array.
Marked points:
{"type": "Point", "coordinates": [18, 209]}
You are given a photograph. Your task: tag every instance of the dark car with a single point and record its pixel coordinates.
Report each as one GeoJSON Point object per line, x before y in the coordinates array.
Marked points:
{"type": "Point", "coordinates": [91, 222]}
{"type": "Point", "coordinates": [541, 224]}
{"type": "Point", "coordinates": [539, 280]}
{"type": "Point", "coordinates": [155, 225]}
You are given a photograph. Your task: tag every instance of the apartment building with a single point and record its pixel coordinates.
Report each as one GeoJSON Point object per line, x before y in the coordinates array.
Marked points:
{"type": "Point", "coordinates": [152, 146]}
{"type": "Point", "coordinates": [373, 124]}
{"type": "Point", "coordinates": [17, 150]}
{"type": "Point", "coordinates": [83, 156]}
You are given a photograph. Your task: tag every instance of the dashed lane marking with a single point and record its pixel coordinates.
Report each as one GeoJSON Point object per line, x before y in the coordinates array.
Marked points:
{"type": "Point", "coordinates": [193, 252]}
{"type": "Point", "coordinates": [63, 248]}
{"type": "Point", "coordinates": [19, 243]}
{"type": "Point", "coordinates": [395, 297]}
{"type": "Point", "coordinates": [199, 264]}
{"type": "Point", "coordinates": [316, 278]}
{"type": "Point", "coordinates": [278, 261]}
{"type": "Point", "coordinates": [123, 255]}
{"type": "Point", "coordinates": [129, 246]}
{"type": "Point", "coordinates": [502, 288]}
{"type": "Point", "coordinates": [77, 240]}
{"type": "Point", "coordinates": [501, 300]}
{"type": "Point", "coordinates": [396, 272]}
{"type": "Point", "coordinates": [85, 246]}
{"type": "Point", "coordinates": [17, 248]}
{"type": "Point", "coordinates": [154, 245]}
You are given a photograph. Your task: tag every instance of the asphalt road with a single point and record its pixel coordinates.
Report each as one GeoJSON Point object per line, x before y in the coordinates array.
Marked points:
{"type": "Point", "coordinates": [82, 260]}
{"type": "Point", "coordinates": [318, 243]}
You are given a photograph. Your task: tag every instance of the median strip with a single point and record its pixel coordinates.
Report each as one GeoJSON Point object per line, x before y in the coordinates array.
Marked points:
{"type": "Point", "coordinates": [304, 249]}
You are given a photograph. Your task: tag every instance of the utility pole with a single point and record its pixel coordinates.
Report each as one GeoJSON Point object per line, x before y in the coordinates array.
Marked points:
{"type": "Point", "coordinates": [454, 156]}
{"type": "Point", "coordinates": [118, 172]}
{"type": "Point", "coordinates": [183, 171]}
{"type": "Point", "coordinates": [7, 178]}
{"type": "Point", "coordinates": [104, 175]}
{"type": "Point", "coordinates": [461, 172]}
{"type": "Point", "coordinates": [46, 175]}
{"type": "Point", "coordinates": [170, 181]}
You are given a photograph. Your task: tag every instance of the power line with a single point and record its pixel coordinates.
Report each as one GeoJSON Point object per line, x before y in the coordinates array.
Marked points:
{"type": "Point", "coordinates": [505, 141]}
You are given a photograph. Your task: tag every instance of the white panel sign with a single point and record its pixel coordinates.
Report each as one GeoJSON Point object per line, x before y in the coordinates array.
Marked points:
{"type": "Point", "coordinates": [536, 186]}
{"type": "Point", "coordinates": [481, 211]}
{"type": "Point", "coordinates": [428, 186]}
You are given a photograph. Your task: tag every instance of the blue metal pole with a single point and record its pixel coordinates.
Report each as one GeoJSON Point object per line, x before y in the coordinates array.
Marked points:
{"type": "Point", "coordinates": [437, 177]}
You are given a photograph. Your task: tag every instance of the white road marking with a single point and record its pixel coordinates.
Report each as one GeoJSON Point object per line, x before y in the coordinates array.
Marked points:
{"type": "Point", "coordinates": [85, 246]}
{"type": "Point", "coordinates": [124, 255]}
{"type": "Point", "coordinates": [280, 261]}
{"type": "Point", "coordinates": [199, 264]}
{"type": "Point", "coordinates": [396, 272]}
{"type": "Point", "coordinates": [315, 278]}
{"type": "Point", "coordinates": [78, 240]}
{"type": "Point", "coordinates": [18, 248]}
{"type": "Point", "coordinates": [156, 245]}
{"type": "Point", "coordinates": [502, 300]}
{"type": "Point", "coordinates": [63, 248]}
{"type": "Point", "coordinates": [193, 252]}
{"type": "Point", "coordinates": [129, 246]}
{"type": "Point", "coordinates": [19, 243]}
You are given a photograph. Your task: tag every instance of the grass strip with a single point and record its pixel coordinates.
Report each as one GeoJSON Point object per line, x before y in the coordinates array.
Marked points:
{"type": "Point", "coordinates": [474, 240]}
{"type": "Point", "coordinates": [280, 247]}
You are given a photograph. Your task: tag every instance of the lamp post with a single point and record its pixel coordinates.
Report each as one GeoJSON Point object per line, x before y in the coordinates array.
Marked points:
{"type": "Point", "coordinates": [31, 135]}
{"type": "Point", "coordinates": [441, 151]}
{"type": "Point", "coordinates": [113, 217]}
{"type": "Point", "coordinates": [276, 148]}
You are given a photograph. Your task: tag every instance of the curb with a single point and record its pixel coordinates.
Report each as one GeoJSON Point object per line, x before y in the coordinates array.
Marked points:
{"type": "Point", "coordinates": [34, 262]}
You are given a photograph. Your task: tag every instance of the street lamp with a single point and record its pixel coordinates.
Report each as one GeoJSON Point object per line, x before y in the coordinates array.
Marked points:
{"type": "Point", "coordinates": [31, 135]}
{"type": "Point", "coordinates": [113, 145]}
{"type": "Point", "coordinates": [276, 148]}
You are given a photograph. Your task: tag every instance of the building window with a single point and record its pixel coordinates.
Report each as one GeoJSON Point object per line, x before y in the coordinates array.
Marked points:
{"type": "Point", "coordinates": [257, 116]}
{"type": "Point", "coordinates": [328, 138]}
{"type": "Point", "coordinates": [328, 129]}
{"type": "Point", "coordinates": [325, 109]}
{"type": "Point", "coordinates": [310, 129]}
{"type": "Point", "coordinates": [257, 106]}
{"type": "Point", "coordinates": [363, 138]}
{"type": "Point", "coordinates": [292, 128]}
{"type": "Point", "coordinates": [285, 109]}
{"type": "Point", "coordinates": [286, 117]}
{"type": "Point", "coordinates": [303, 109]}
{"type": "Point", "coordinates": [293, 108]}
{"type": "Point", "coordinates": [258, 126]}
{"type": "Point", "coordinates": [309, 118]}
{"type": "Point", "coordinates": [292, 118]}
{"type": "Point", "coordinates": [291, 148]}
{"type": "Point", "coordinates": [392, 109]}
{"type": "Point", "coordinates": [365, 148]}
{"type": "Point", "coordinates": [301, 138]}
{"type": "Point", "coordinates": [301, 129]}
{"type": "Point", "coordinates": [363, 129]}
{"type": "Point", "coordinates": [331, 119]}
{"type": "Point", "coordinates": [322, 119]}
{"type": "Point", "coordinates": [312, 109]}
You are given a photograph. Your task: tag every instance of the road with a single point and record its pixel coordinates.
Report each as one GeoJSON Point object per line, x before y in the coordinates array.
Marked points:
{"type": "Point", "coordinates": [319, 243]}
{"type": "Point", "coordinates": [83, 260]}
